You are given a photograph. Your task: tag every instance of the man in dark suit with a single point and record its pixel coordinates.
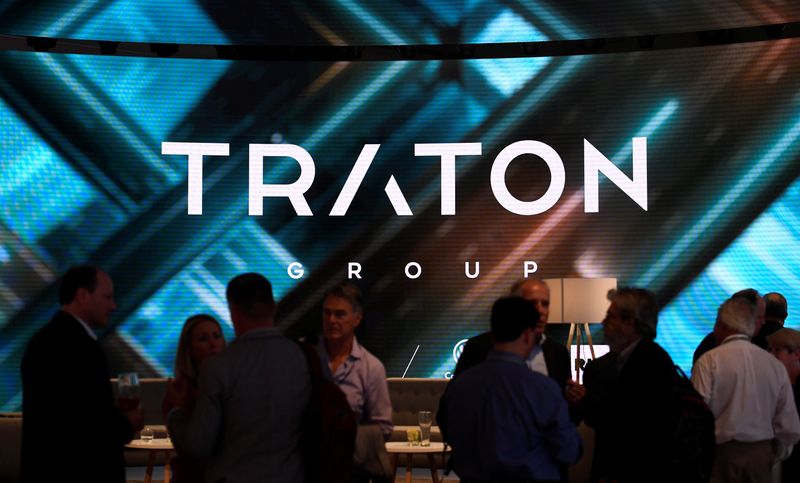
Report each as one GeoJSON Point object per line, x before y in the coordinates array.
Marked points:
{"type": "Point", "coordinates": [628, 394]}
{"type": "Point", "coordinates": [71, 424]}
{"type": "Point", "coordinates": [552, 358]}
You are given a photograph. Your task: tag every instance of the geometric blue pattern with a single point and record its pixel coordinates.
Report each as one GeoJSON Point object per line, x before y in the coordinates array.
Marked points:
{"type": "Point", "coordinates": [764, 257]}
{"type": "Point", "coordinates": [509, 75]}
{"type": "Point", "coordinates": [38, 189]}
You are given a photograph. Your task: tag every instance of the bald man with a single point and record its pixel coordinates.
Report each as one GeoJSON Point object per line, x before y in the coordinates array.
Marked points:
{"type": "Point", "coordinates": [549, 357]}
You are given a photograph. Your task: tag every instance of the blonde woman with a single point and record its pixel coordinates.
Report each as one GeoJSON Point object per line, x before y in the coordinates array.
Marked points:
{"type": "Point", "coordinates": [200, 338]}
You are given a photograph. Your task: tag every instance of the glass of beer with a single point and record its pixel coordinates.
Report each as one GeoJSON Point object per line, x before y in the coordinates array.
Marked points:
{"type": "Point", "coordinates": [425, 421]}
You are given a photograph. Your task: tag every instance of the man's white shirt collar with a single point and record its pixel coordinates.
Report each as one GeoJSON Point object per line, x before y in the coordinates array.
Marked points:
{"type": "Point", "coordinates": [85, 326]}
{"type": "Point", "coordinates": [536, 361]}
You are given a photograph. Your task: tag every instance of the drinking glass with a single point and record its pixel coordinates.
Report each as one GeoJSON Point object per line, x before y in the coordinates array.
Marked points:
{"type": "Point", "coordinates": [425, 421]}
{"type": "Point", "coordinates": [147, 434]}
{"type": "Point", "coordinates": [413, 437]}
{"type": "Point", "coordinates": [128, 393]}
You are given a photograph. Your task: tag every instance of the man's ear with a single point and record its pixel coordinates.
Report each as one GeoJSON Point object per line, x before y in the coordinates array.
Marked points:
{"type": "Point", "coordinates": [358, 316]}
{"type": "Point", "coordinates": [81, 295]}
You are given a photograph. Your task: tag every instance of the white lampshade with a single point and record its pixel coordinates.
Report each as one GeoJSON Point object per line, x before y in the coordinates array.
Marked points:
{"type": "Point", "coordinates": [579, 300]}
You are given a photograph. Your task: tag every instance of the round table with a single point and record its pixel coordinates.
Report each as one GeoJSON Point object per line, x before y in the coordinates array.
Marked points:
{"type": "Point", "coordinates": [396, 448]}
{"type": "Point", "coordinates": [154, 446]}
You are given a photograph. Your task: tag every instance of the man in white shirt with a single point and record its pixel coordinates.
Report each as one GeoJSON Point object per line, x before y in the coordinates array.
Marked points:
{"type": "Point", "coordinates": [751, 398]}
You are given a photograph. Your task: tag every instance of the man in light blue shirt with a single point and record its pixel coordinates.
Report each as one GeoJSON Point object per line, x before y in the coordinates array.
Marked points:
{"type": "Point", "coordinates": [359, 374]}
{"type": "Point", "coordinates": [504, 421]}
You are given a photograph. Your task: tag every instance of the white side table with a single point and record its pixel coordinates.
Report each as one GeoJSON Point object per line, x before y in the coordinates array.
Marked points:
{"type": "Point", "coordinates": [153, 447]}
{"type": "Point", "coordinates": [397, 448]}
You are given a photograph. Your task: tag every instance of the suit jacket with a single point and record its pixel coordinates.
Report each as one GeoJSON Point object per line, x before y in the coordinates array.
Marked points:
{"type": "Point", "coordinates": [630, 410]}
{"type": "Point", "coordinates": [248, 417]}
{"type": "Point", "coordinates": [70, 421]}
{"type": "Point", "coordinates": [556, 357]}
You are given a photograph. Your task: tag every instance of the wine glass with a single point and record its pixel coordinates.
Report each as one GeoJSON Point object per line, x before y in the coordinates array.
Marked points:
{"type": "Point", "coordinates": [425, 419]}
{"type": "Point", "coordinates": [128, 391]}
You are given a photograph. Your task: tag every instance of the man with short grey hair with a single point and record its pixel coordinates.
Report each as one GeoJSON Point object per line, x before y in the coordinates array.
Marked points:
{"type": "Point", "coordinates": [749, 393]}
{"type": "Point", "coordinates": [755, 299]}
{"type": "Point", "coordinates": [628, 393]}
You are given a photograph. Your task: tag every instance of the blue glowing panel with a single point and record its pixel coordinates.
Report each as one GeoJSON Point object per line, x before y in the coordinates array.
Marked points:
{"type": "Point", "coordinates": [38, 190]}
{"type": "Point", "coordinates": [156, 93]}
{"type": "Point", "coordinates": [509, 75]}
{"type": "Point", "coordinates": [177, 21]}
{"type": "Point", "coordinates": [371, 20]}
{"type": "Point", "coordinates": [153, 330]}
{"type": "Point", "coordinates": [764, 257]}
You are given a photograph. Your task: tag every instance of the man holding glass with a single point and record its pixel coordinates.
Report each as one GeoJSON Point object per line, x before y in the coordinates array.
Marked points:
{"type": "Point", "coordinates": [70, 420]}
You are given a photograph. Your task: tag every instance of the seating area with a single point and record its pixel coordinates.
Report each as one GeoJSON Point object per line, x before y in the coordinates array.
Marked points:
{"type": "Point", "coordinates": [409, 396]}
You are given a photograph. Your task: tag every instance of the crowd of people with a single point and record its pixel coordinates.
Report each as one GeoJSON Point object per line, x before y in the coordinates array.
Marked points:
{"type": "Point", "coordinates": [240, 412]}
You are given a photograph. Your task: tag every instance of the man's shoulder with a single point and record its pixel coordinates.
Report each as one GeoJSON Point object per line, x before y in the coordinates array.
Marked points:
{"type": "Point", "coordinates": [61, 324]}
{"type": "Point", "coordinates": [729, 352]}
{"type": "Point", "coordinates": [538, 379]}
{"type": "Point", "coordinates": [650, 350]}
{"type": "Point", "coordinates": [369, 359]}
{"type": "Point", "coordinates": [61, 331]}
{"type": "Point", "coordinates": [264, 343]}
{"type": "Point", "coordinates": [765, 359]}
{"type": "Point", "coordinates": [482, 338]}
{"type": "Point", "coordinates": [493, 372]}
{"type": "Point", "coordinates": [479, 343]}
{"type": "Point", "coordinates": [651, 360]}
{"type": "Point", "coordinates": [602, 364]}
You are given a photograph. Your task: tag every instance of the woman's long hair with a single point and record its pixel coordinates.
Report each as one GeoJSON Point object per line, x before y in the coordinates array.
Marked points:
{"type": "Point", "coordinates": [185, 365]}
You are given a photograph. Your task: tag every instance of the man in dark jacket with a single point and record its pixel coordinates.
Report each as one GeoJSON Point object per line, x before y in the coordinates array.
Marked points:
{"type": "Point", "coordinates": [628, 394]}
{"type": "Point", "coordinates": [70, 420]}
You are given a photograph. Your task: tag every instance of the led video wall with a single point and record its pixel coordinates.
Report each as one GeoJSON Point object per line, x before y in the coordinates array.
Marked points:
{"type": "Point", "coordinates": [440, 182]}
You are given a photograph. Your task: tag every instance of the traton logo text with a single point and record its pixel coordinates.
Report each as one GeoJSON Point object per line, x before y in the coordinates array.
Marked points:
{"type": "Point", "coordinates": [594, 162]}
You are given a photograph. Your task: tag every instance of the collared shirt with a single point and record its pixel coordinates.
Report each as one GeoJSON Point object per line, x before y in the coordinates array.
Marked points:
{"type": "Point", "coordinates": [536, 361]}
{"type": "Point", "coordinates": [362, 379]}
{"type": "Point", "coordinates": [749, 393]}
{"type": "Point", "coordinates": [506, 421]}
{"type": "Point", "coordinates": [85, 326]}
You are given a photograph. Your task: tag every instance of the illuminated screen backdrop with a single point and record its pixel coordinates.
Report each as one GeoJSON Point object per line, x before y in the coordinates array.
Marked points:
{"type": "Point", "coordinates": [676, 170]}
